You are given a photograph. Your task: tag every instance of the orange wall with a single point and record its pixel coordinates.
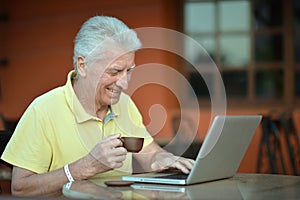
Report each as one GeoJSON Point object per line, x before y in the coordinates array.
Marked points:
{"type": "Point", "coordinates": [38, 41]}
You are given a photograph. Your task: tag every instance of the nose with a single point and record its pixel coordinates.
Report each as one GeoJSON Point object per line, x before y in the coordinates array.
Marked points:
{"type": "Point", "coordinates": [122, 82]}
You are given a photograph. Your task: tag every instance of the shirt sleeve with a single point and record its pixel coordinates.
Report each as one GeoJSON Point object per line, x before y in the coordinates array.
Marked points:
{"type": "Point", "coordinates": [29, 145]}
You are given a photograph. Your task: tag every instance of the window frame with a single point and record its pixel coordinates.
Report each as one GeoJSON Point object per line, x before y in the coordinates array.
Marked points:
{"type": "Point", "coordinates": [288, 64]}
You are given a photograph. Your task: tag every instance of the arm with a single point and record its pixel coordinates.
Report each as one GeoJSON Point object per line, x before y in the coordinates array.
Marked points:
{"type": "Point", "coordinates": [105, 156]}
{"type": "Point", "coordinates": [28, 183]}
{"type": "Point", "coordinates": [155, 158]}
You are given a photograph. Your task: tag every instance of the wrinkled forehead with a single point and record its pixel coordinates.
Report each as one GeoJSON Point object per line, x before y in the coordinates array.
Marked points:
{"type": "Point", "coordinates": [112, 60]}
{"type": "Point", "coordinates": [124, 60]}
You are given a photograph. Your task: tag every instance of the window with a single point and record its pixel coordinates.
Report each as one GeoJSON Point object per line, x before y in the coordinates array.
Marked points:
{"type": "Point", "coordinates": [253, 44]}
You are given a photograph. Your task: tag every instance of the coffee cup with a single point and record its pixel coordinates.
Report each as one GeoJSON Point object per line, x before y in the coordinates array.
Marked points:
{"type": "Point", "coordinates": [132, 144]}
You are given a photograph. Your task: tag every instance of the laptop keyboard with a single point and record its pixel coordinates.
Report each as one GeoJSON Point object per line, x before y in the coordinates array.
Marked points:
{"type": "Point", "coordinates": [174, 176]}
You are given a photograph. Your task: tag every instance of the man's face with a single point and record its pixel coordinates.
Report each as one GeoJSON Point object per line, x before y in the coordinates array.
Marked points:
{"type": "Point", "coordinates": [114, 80]}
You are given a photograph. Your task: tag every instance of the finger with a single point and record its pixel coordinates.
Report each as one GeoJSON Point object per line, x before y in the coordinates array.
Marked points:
{"type": "Point", "coordinates": [118, 164]}
{"type": "Point", "coordinates": [181, 167]}
{"type": "Point", "coordinates": [183, 164]}
{"type": "Point", "coordinates": [118, 159]}
{"type": "Point", "coordinates": [108, 140]}
{"type": "Point", "coordinates": [119, 151]}
{"type": "Point", "coordinates": [115, 142]}
{"type": "Point", "coordinates": [115, 159]}
{"type": "Point", "coordinates": [113, 165]}
{"type": "Point", "coordinates": [189, 163]}
{"type": "Point", "coordinates": [185, 161]}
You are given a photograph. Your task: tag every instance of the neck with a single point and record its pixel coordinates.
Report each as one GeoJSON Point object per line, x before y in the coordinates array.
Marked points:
{"type": "Point", "coordinates": [87, 103]}
{"type": "Point", "coordinates": [101, 113]}
{"type": "Point", "coordinates": [83, 96]}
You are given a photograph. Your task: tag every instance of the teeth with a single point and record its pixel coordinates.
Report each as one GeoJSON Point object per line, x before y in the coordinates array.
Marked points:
{"type": "Point", "coordinates": [112, 90]}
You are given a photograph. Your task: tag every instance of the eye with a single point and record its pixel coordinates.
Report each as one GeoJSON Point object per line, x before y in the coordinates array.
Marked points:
{"type": "Point", "coordinates": [115, 72]}
{"type": "Point", "coordinates": [118, 70]}
{"type": "Point", "coordinates": [129, 70]}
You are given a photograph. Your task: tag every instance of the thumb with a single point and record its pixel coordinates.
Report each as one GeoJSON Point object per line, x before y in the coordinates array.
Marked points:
{"type": "Point", "coordinates": [156, 166]}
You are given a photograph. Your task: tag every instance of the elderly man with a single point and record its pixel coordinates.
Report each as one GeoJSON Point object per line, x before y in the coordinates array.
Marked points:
{"type": "Point", "coordinates": [73, 132]}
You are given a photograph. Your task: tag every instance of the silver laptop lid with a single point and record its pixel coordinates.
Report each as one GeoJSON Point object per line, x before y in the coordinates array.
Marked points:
{"type": "Point", "coordinates": [224, 147]}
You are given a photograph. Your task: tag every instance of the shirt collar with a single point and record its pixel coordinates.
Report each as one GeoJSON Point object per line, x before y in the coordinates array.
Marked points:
{"type": "Point", "coordinates": [110, 115]}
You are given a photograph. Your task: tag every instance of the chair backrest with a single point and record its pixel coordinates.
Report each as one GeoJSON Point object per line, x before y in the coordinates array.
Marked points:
{"type": "Point", "coordinates": [5, 175]}
{"type": "Point", "coordinates": [4, 138]}
{"type": "Point", "coordinates": [3, 125]}
{"type": "Point", "coordinates": [7, 124]}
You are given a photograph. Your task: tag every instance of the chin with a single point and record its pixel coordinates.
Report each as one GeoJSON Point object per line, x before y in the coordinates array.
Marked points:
{"type": "Point", "coordinates": [113, 101]}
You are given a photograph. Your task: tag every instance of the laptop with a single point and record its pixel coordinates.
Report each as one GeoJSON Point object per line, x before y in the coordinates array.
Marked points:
{"type": "Point", "coordinates": [214, 190]}
{"type": "Point", "coordinates": [219, 157]}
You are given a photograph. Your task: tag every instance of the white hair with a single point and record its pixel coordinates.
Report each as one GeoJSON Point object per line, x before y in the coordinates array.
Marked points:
{"type": "Point", "coordinates": [96, 30]}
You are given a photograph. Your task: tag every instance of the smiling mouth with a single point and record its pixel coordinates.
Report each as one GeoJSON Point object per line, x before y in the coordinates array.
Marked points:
{"type": "Point", "coordinates": [114, 91]}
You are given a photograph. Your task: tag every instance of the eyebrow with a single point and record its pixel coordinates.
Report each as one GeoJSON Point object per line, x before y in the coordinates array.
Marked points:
{"type": "Point", "coordinates": [117, 67]}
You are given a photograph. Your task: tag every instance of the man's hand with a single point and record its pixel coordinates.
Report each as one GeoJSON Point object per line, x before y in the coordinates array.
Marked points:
{"type": "Point", "coordinates": [164, 160]}
{"type": "Point", "coordinates": [108, 154]}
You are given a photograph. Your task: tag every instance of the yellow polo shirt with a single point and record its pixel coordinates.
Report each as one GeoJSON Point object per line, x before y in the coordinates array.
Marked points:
{"type": "Point", "coordinates": [55, 130]}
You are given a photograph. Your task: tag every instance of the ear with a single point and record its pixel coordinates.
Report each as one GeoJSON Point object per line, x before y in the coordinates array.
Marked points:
{"type": "Point", "coordinates": [81, 66]}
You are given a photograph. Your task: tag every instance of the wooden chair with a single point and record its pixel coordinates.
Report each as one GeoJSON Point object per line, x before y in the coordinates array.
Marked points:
{"type": "Point", "coordinates": [292, 140]}
{"type": "Point", "coordinates": [270, 153]}
{"type": "Point", "coordinates": [5, 168]}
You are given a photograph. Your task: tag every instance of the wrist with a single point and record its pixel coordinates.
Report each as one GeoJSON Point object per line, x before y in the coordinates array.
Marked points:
{"type": "Point", "coordinates": [85, 167]}
{"type": "Point", "coordinates": [77, 170]}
